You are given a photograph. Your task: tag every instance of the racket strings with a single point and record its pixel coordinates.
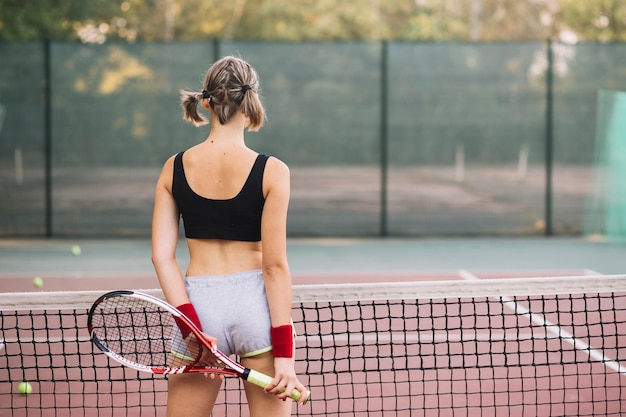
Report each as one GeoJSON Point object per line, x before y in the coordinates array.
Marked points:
{"type": "Point", "coordinates": [138, 331]}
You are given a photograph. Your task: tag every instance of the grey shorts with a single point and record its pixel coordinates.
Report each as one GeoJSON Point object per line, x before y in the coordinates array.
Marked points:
{"type": "Point", "coordinates": [233, 308]}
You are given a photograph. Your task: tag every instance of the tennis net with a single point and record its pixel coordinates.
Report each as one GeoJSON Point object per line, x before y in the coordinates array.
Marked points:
{"type": "Point", "coordinates": [514, 347]}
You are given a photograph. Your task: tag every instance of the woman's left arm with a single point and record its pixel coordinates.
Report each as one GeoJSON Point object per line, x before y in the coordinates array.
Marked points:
{"type": "Point", "coordinates": [277, 275]}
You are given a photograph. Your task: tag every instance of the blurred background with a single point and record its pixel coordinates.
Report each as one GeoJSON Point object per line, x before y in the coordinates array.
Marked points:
{"type": "Point", "coordinates": [398, 118]}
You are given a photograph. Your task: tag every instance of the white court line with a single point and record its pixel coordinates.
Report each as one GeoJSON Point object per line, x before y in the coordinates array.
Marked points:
{"type": "Point", "coordinates": [554, 329]}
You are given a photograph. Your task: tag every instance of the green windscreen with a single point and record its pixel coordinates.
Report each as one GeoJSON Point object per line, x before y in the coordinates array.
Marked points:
{"type": "Point", "coordinates": [606, 212]}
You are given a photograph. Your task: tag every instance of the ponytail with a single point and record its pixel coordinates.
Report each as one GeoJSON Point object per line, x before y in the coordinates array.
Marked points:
{"type": "Point", "coordinates": [252, 108]}
{"type": "Point", "coordinates": [189, 102]}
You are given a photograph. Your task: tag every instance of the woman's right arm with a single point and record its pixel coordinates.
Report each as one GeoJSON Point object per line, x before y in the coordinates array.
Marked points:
{"type": "Point", "coordinates": [165, 223]}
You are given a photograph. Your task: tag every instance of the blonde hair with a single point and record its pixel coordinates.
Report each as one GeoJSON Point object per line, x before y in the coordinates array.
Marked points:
{"type": "Point", "coordinates": [230, 84]}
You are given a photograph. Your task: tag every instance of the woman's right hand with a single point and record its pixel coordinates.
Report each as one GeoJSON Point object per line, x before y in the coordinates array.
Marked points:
{"type": "Point", "coordinates": [285, 380]}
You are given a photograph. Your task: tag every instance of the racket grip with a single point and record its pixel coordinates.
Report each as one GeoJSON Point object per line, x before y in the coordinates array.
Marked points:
{"type": "Point", "coordinates": [262, 380]}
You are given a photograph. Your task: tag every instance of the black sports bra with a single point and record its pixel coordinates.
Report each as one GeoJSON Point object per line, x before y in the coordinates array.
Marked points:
{"type": "Point", "coordinates": [237, 218]}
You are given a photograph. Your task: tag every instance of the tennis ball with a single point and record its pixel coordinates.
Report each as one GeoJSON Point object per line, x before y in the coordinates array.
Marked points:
{"type": "Point", "coordinates": [76, 250]}
{"type": "Point", "coordinates": [25, 388]}
{"type": "Point", "coordinates": [38, 282]}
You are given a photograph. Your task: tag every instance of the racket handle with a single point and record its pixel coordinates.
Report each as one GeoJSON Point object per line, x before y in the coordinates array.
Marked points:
{"type": "Point", "coordinates": [262, 380]}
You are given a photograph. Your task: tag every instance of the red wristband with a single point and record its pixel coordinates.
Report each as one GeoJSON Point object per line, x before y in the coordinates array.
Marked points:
{"type": "Point", "coordinates": [190, 312]}
{"type": "Point", "coordinates": [282, 341]}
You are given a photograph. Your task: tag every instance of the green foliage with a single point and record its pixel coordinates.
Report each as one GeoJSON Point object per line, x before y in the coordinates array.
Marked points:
{"type": "Point", "coordinates": [601, 20]}
{"type": "Point", "coordinates": [51, 19]}
{"type": "Point", "coordinates": [300, 20]}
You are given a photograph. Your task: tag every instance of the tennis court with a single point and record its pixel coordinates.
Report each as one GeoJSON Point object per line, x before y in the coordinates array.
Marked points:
{"type": "Point", "coordinates": [465, 327]}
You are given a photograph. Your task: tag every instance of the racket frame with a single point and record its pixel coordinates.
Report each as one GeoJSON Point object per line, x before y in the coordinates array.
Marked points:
{"type": "Point", "coordinates": [231, 367]}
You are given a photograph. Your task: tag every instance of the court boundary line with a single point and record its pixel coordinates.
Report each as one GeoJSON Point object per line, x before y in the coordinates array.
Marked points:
{"type": "Point", "coordinates": [555, 329]}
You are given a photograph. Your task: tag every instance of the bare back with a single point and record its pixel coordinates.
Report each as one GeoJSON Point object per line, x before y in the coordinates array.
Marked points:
{"type": "Point", "coordinates": [218, 172]}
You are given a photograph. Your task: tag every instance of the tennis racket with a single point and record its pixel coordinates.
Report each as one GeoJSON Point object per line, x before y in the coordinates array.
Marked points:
{"type": "Point", "coordinates": [139, 331]}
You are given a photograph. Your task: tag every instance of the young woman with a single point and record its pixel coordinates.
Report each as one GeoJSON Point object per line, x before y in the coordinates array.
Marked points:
{"type": "Point", "coordinates": [237, 286]}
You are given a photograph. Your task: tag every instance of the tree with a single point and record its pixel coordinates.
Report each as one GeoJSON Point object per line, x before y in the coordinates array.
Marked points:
{"type": "Point", "coordinates": [51, 19]}
{"type": "Point", "coordinates": [598, 20]}
{"type": "Point", "coordinates": [299, 20]}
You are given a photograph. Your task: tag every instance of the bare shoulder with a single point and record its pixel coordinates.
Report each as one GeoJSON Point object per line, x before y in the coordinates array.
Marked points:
{"type": "Point", "coordinates": [276, 175]}
{"type": "Point", "coordinates": [168, 166]}
{"type": "Point", "coordinates": [276, 164]}
{"type": "Point", "coordinates": [276, 168]}
{"type": "Point", "coordinates": [165, 179]}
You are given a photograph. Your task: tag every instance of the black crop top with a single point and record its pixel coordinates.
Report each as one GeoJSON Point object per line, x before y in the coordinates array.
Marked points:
{"type": "Point", "coordinates": [237, 218]}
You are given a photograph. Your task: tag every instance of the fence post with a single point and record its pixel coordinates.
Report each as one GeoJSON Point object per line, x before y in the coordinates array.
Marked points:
{"type": "Point", "coordinates": [549, 137]}
{"type": "Point", "coordinates": [383, 137]}
{"type": "Point", "coordinates": [47, 103]}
